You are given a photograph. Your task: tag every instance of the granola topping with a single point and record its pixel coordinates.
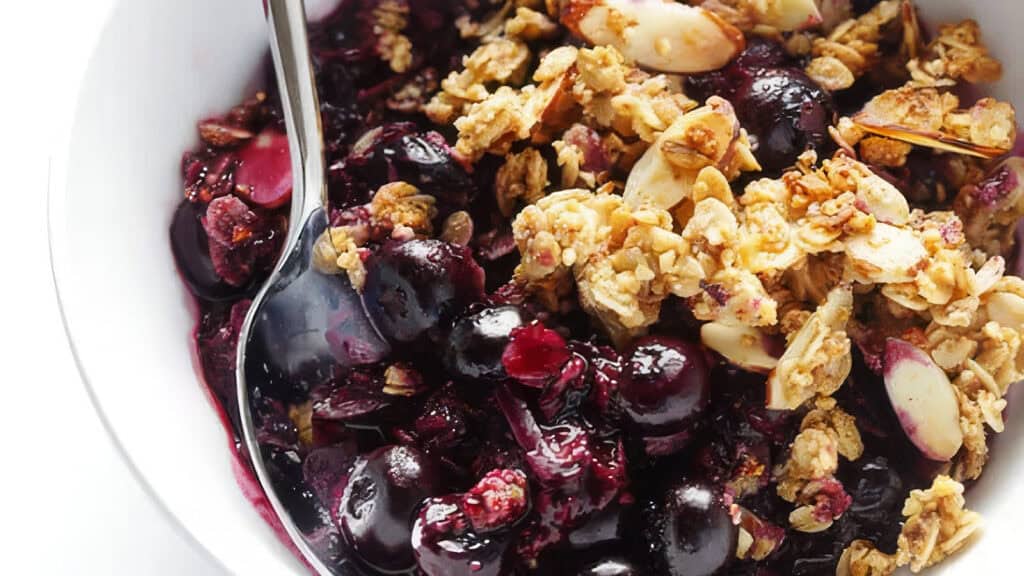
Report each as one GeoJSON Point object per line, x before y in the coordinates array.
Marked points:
{"type": "Point", "coordinates": [937, 524]}
{"type": "Point", "coordinates": [852, 48]}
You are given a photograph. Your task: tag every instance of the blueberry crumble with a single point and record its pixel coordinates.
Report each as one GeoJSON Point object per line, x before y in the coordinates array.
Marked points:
{"type": "Point", "coordinates": [718, 287]}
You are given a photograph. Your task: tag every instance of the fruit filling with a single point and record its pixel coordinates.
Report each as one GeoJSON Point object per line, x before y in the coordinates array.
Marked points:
{"type": "Point", "coordinates": [721, 287]}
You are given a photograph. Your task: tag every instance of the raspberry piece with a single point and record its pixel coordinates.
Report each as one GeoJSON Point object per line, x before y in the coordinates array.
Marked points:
{"type": "Point", "coordinates": [534, 353]}
{"type": "Point", "coordinates": [498, 500]}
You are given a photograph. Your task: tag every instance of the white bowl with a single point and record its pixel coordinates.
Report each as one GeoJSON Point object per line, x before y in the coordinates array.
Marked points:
{"type": "Point", "coordinates": [158, 68]}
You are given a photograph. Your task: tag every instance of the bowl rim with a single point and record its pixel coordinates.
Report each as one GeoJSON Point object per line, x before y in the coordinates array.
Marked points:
{"type": "Point", "coordinates": [59, 151]}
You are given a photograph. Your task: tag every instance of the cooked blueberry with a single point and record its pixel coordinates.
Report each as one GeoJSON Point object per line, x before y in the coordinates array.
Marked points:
{"type": "Point", "coordinates": [396, 151]}
{"type": "Point", "coordinates": [761, 53]}
{"type": "Point", "coordinates": [605, 528]}
{"type": "Point", "coordinates": [611, 567]}
{"type": "Point", "coordinates": [446, 545]}
{"type": "Point", "coordinates": [285, 470]}
{"type": "Point", "coordinates": [688, 532]}
{"type": "Point", "coordinates": [477, 341]}
{"type": "Point", "coordinates": [785, 113]}
{"type": "Point", "coordinates": [412, 286]}
{"type": "Point", "coordinates": [378, 503]}
{"type": "Point", "coordinates": [877, 490]}
{"type": "Point", "coordinates": [325, 469]}
{"type": "Point", "coordinates": [192, 254]}
{"type": "Point", "coordinates": [664, 384]}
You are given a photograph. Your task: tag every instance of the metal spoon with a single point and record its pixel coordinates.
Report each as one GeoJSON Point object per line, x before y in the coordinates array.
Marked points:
{"type": "Point", "coordinates": [302, 323]}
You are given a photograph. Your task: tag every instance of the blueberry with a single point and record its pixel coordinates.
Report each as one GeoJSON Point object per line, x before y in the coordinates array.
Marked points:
{"type": "Point", "coordinates": [664, 384]}
{"type": "Point", "coordinates": [786, 113]}
{"type": "Point", "coordinates": [477, 341]}
{"type": "Point", "coordinates": [445, 545]}
{"type": "Point", "coordinates": [412, 286]}
{"type": "Point", "coordinates": [688, 532]}
{"type": "Point", "coordinates": [378, 504]}
{"type": "Point", "coordinates": [285, 470]}
{"type": "Point", "coordinates": [192, 254]}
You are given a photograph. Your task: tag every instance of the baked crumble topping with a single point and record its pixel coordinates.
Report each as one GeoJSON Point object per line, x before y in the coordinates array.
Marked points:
{"type": "Point", "coordinates": [937, 524]}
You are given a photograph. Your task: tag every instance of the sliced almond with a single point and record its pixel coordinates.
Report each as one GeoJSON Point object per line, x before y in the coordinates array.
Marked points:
{"type": "Point", "coordinates": [924, 400]}
{"type": "Point", "coordinates": [793, 15]}
{"type": "Point", "coordinates": [664, 36]}
{"type": "Point", "coordinates": [794, 380]}
{"type": "Point", "coordinates": [886, 255]}
{"type": "Point", "coordinates": [987, 276]}
{"type": "Point", "coordinates": [744, 346]}
{"type": "Point", "coordinates": [1007, 309]}
{"type": "Point", "coordinates": [885, 202]}
{"type": "Point", "coordinates": [926, 138]}
{"type": "Point", "coordinates": [659, 178]}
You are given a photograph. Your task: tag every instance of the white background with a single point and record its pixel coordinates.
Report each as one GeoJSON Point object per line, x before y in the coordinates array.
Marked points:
{"type": "Point", "coordinates": [68, 503]}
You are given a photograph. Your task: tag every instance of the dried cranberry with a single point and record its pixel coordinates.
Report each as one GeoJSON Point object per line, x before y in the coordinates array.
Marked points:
{"type": "Point", "coordinates": [498, 501]}
{"type": "Point", "coordinates": [238, 239]}
{"type": "Point", "coordinates": [192, 254]}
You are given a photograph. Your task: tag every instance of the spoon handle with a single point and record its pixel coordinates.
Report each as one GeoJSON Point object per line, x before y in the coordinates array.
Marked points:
{"type": "Point", "coordinates": [289, 45]}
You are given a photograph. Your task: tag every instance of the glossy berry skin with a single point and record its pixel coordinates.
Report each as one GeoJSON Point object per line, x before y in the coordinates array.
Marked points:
{"type": "Point", "coordinates": [688, 532]}
{"type": "Point", "coordinates": [664, 384]}
{"type": "Point", "coordinates": [614, 566]}
{"type": "Point", "coordinates": [477, 341]}
{"type": "Point", "coordinates": [782, 109]}
{"type": "Point", "coordinates": [412, 286]}
{"type": "Point", "coordinates": [378, 505]}
{"type": "Point", "coordinates": [190, 246]}
{"type": "Point", "coordinates": [446, 545]}
{"type": "Point", "coordinates": [786, 112]}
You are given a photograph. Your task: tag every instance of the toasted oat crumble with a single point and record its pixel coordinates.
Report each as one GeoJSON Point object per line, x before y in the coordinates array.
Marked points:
{"type": "Point", "coordinates": [523, 177]}
{"type": "Point", "coordinates": [337, 250]}
{"type": "Point", "coordinates": [861, 558]}
{"type": "Point", "coordinates": [807, 476]}
{"type": "Point", "coordinates": [391, 18]}
{"type": "Point", "coordinates": [956, 53]}
{"type": "Point", "coordinates": [937, 524]}
{"type": "Point", "coordinates": [852, 48]}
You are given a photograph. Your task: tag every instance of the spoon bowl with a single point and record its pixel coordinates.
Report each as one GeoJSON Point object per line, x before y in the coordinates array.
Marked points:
{"type": "Point", "coordinates": [302, 324]}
